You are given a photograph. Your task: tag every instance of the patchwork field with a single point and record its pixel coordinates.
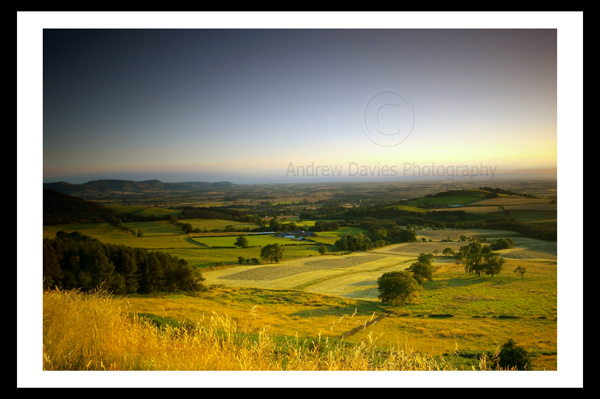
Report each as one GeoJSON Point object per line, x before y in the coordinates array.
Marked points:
{"type": "Point", "coordinates": [308, 294]}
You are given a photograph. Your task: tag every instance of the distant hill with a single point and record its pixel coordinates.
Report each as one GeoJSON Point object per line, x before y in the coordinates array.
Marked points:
{"type": "Point", "coordinates": [109, 186]}
{"type": "Point", "coordinates": [60, 208]}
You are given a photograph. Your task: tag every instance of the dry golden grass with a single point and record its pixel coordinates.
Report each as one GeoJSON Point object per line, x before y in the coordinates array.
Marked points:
{"type": "Point", "coordinates": [97, 332]}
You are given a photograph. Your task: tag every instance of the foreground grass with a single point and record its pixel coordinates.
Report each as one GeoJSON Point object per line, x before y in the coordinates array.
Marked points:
{"type": "Point", "coordinates": [98, 332]}
{"type": "Point", "coordinates": [455, 309]}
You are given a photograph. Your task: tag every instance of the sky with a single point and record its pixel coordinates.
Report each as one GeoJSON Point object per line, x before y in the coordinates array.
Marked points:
{"type": "Point", "coordinates": [284, 105]}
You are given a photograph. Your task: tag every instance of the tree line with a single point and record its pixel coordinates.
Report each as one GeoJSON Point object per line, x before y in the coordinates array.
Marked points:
{"type": "Point", "coordinates": [76, 261]}
{"type": "Point", "coordinates": [375, 239]}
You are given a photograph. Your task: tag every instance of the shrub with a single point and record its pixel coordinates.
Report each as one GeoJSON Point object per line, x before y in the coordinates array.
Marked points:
{"type": "Point", "coordinates": [513, 356]}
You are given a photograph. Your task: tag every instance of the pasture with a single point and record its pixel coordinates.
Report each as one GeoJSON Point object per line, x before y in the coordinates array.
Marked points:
{"type": "Point", "coordinates": [461, 197]}
{"type": "Point", "coordinates": [253, 240]}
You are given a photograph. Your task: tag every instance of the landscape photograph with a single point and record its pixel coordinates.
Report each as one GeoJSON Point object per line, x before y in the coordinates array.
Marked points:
{"type": "Point", "coordinates": [300, 199]}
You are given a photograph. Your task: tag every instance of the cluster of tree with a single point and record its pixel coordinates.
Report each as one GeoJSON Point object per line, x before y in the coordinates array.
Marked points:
{"type": "Point", "coordinates": [326, 226]}
{"type": "Point", "coordinates": [400, 287]}
{"type": "Point", "coordinates": [423, 268]}
{"type": "Point", "coordinates": [77, 261]}
{"type": "Point", "coordinates": [358, 241]}
{"type": "Point", "coordinates": [478, 258]}
{"type": "Point", "coordinates": [401, 217]}
{"type": "Point", "coordinates": [242, 260]}
{"type": "Point", "coordinates": [118, 223]}
{"type": "Point", "coordinates": [503, 243]}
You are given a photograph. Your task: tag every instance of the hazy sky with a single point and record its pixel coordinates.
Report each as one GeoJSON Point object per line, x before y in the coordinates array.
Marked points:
{"type": "Point", "coordinates": [246, 105]}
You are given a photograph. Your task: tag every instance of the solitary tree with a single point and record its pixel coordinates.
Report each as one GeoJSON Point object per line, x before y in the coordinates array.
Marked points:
{"type": "Point", "coordinates": [272, 253]}
{"type": "Point", "coordinates": [322, 249]}
{"type": "Point", "coordinates": [398, 287]}
{"type": "Point", "coordinates": [448, 252]}
{"type": "Point", "coordinates": [241, 242]}
{"type": "Point", "coordinates": [521, 270]}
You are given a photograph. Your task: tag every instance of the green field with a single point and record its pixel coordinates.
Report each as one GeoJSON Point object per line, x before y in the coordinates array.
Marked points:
{"type": "Point", "coordinates": [307, 223]}
{"type": "Point", "coordinates": [253, 241]}
{"type": "Point", "coordinates": [197, 251]}
{"type": "Point", "coordinates": [159, 228]}
{"type": "Point", "coordinates": [461, 197]}
{"type": "Point", "coordinates": [218, 224]}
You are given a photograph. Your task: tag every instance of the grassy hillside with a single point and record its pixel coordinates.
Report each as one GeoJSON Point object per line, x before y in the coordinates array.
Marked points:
{"type": "Point", "coordinates": [134, 341]}
{"type": "Point", "coordinates": [475, 313]}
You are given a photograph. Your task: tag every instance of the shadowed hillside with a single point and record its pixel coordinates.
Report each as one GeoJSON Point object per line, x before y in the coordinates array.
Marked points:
{"type": "Point", "coordinates": [61, 208]}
